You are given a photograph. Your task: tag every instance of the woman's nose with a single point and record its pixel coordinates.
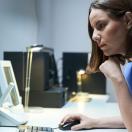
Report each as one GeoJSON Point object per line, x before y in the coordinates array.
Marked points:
{"type": "Point", "coordinates": [96, 38]}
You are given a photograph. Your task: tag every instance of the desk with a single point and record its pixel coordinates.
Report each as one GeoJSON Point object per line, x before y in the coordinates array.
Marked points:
{"type": "Point", "coordinates": [50, 117]}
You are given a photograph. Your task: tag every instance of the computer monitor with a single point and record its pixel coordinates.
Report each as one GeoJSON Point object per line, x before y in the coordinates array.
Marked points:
{"type": "Point", "coordinates": [11, 108]}
{"type": "Point", "coordinates": [53, 72]}
{"type": "Point", "coordinates": [75, 61]}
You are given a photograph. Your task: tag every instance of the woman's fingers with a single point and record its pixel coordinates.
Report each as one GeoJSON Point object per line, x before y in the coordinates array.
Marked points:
{"type": "Point", "coordinates": [66, 118]}
{"type": "Point", "coordinates": [77, 127]}
{"type": "Point", "coordinates": [70, 117]}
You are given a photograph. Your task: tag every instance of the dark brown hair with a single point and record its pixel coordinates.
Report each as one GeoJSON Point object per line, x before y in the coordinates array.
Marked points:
{"type": "Point", "coordinates": [115, 9]}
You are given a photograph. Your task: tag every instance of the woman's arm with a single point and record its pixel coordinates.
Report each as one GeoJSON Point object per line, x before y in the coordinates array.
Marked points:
{"type": "Point", "coordinates": [111, 69]}
{"type": "Point", "coordinates": [125, 102]}
{"type": "Point", "coordinates": [109, 122]}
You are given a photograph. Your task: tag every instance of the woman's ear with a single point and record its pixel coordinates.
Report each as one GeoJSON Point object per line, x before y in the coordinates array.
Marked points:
{"type": "Point", "coordinates": [128, 19]}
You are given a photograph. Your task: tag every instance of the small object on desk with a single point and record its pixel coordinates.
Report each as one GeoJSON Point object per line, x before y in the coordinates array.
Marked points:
{"type": "Point", "coordinates": [68, 125]}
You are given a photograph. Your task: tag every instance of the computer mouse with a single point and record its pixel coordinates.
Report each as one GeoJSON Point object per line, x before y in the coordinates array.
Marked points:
{"type": "Point", "coordinates": [68, 125]}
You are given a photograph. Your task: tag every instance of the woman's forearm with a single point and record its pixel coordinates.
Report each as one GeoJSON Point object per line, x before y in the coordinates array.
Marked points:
{"type": "Point", "coordinates": [112, 69]}
{"type": "Point", "coordinates": [109, 122]}
{"type": "Point", "coordinates": [125, 101]}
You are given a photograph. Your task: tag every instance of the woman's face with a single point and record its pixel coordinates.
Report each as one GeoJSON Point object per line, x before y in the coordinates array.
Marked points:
{"type": "Point", "coordinates": [109, 34]}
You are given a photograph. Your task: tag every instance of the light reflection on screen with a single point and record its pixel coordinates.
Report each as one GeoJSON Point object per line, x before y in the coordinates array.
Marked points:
{"type": "Point", "coordinates": [9, 80]}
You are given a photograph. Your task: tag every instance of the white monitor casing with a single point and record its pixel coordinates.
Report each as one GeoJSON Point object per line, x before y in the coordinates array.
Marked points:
{"type": "Point", "coordinates": [11, 108]}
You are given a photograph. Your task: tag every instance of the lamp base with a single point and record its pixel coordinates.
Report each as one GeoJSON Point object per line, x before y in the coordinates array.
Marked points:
{"type": "Point", "coordinates": [81, 97]}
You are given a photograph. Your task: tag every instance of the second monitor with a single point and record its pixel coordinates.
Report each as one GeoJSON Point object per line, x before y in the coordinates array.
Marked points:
{"type": "Point", "coordinates": [75, 61]}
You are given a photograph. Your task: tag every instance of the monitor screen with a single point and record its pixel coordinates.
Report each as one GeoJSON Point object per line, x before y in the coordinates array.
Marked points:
{"type": "Point", "coordinates": [53, 72]}
{"type": "Point", "coordinates": [9, 79]}
{"type": "Point", "coordinates": [74, 62]}
{"type": "Point", "coordinates": [8, 93]}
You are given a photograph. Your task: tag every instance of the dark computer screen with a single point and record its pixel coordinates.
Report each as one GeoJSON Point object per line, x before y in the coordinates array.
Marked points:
{"type": "Point", "coordinates": [53, 72]}
{"type": "Point", "coordinates": [74, 61]}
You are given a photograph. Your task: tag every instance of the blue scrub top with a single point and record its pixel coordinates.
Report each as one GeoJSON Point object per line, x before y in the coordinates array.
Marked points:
{"type": "Point", "coordinates": [128, 75]}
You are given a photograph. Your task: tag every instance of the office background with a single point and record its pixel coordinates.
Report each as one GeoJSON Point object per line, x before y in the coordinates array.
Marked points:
{"type": "Point", "coordinates": [59, 24]}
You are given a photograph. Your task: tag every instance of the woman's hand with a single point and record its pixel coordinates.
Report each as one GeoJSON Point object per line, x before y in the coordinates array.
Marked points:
{"type": "Point", "coordinates": [85, 122]}
{"type": "Point", "coordinates": [111, 68]}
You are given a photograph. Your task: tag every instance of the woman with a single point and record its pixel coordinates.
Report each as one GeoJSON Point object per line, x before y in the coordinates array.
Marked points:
{"type": "Point", "coordinates": [110, 30]}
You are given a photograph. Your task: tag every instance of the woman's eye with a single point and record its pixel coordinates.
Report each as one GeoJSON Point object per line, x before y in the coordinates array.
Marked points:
{"type": "Point", "coordinates": [100, 26]}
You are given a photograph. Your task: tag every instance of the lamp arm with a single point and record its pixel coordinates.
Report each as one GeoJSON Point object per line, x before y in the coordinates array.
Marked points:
{"type": "Point", "coordinates": [28, 77]}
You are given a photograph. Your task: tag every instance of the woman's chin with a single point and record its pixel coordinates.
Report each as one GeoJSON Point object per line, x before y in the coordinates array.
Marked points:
{"type": "Point", "coordinates": [107, 54]}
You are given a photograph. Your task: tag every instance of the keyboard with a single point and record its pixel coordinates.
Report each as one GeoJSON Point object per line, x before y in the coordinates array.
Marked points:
{"type": "Point", "coordinates": [35, 129]}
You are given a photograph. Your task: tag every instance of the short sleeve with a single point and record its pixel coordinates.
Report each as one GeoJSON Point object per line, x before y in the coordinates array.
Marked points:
{"type": "Point", "coordinates": [128, 75]}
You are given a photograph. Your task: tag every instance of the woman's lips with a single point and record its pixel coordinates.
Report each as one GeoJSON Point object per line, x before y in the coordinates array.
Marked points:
{"type": "Point", "coordinates": [101, 45]}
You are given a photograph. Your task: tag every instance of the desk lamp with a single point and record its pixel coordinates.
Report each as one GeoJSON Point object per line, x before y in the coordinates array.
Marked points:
{"type": "Point", "coordinates": [81, 96]}
{"type": "Point", "coordinates": [80, 74]}
{"type": "Point", "coordinates": [30, 50]}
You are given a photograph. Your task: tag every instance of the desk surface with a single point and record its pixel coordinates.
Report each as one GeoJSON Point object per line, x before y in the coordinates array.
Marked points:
{"type": "Point", "coordinates": [50, 117]}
